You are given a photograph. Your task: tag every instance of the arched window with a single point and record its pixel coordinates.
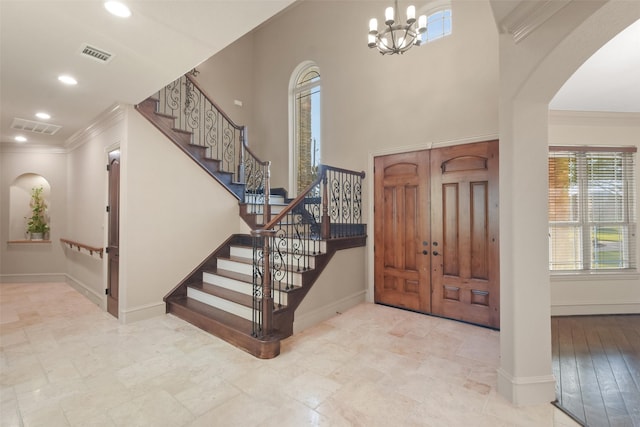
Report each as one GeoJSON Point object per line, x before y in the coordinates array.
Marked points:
{"type": "Point", "coordinates": [305, 119]}
{"type": "Point", "coordinates": [438, 23]}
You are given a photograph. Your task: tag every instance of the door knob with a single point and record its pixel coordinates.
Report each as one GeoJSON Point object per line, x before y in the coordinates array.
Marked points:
{"type": "Point", "coordinates": [435, 253]}
{"type": "Point", "coordinates": [425, 253]}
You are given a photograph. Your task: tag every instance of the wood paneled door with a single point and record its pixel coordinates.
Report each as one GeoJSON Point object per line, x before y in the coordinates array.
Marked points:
{"type": "Point", "coordinates": [436, 232]}
{"type": "Point", "coordinates": [113, 248]}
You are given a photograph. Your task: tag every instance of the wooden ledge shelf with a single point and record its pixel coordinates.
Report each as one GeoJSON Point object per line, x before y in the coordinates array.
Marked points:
{"type": "Point", "coordinates": [90, 249]}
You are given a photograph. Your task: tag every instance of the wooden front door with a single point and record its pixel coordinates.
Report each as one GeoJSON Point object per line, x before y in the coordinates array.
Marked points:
{"type": "Point", "coordinates": [464, 218]}
{"type": "Point", "coordinates": [113, 257]}
{"type": "Point", "coordinates": [436, 225]}
{"type": "Point", "coordinates": [401, 240]}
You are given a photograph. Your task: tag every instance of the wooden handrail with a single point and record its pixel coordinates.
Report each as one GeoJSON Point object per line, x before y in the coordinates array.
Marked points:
{"type": "Point", "coordinates": [323, 170]}
{"type": "Point", "coordinates": [90, 249]}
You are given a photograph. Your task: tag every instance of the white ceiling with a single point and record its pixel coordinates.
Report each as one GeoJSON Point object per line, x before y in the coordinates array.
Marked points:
{"type": "Point", "coordinates": [40, 39]}
{"type": "Point", "coordinates": [609, 80]}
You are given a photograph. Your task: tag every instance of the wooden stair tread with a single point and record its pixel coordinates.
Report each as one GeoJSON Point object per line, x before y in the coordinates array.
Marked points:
{"type": "Point", "coordinates": [231, 274]}
{"type": "Point", "coordinates": [215, 314]}
{"type": "Point", "coordinates": [228, 294]}
{"type": "Point", "coordinates": [242, 278]}
{"type": "Point", "coordinates": [233, 296]}
{"type": "Point", "coordinates": [229, 327]}
{"type": "Point", "coordinates": [240, 259]}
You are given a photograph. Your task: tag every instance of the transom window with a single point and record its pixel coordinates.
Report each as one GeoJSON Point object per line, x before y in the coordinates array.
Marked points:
{"type": "Point", "coordinates": [439, 25]}
{"type": "Point", "coordinates": [592, 209]}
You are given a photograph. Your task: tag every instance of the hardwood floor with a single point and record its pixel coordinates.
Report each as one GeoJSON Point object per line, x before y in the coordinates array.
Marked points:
{"type": "Point", "coordinates": [596, 361]}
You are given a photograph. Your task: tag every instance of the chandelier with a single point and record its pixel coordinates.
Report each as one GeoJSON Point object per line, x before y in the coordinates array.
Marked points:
{"type": "Point", "coordinates": [396, 37]}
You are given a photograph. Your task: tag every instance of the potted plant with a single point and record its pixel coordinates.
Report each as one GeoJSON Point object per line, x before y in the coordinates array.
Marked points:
{"type": "Point", "coordinates": [37, 225]}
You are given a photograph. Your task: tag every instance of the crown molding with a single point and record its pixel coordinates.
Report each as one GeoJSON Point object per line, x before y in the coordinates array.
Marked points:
{"type": "Point", "coordinates": [593, 118]}
{"type": "Point", "coordinates": [104, 121]}
{"type": "Point", "coordinates": [12, 147]}
{"type": "Point", "coordinates": [527, 16]}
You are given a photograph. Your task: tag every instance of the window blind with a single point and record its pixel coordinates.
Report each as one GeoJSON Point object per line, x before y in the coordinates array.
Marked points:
{"type": "Point", "coordinates": [592, 209]}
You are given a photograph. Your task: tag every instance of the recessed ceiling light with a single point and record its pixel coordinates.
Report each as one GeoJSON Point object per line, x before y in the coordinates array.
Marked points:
{"type": "Point", "coordinates": [20, 138]}
{"type": "Point", "coordinates": [68, 80]}
{"type": "Point", "coordinates": [42, 115]}
{"type": "Point", "coordinates": [118, 9]}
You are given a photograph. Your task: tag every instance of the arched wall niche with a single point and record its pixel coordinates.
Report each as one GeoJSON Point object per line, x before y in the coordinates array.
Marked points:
{"type": "Point", "coordinates": [19, 198]}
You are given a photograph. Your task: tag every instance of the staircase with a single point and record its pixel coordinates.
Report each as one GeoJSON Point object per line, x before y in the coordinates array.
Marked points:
{"type": "Point", "coordinates": [247, 290]}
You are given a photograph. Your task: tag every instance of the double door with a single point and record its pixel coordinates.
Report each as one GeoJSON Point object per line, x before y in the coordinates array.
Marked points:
{"type": "Point", "coordinates": [436, 232]}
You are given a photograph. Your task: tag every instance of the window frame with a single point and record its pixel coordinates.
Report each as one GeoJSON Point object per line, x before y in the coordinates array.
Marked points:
{"type": "Point", "coordinates": [585, 223]}
{"type": "Point", "coordinates": [433, 9]}
{"type": "Point", "coordinates": [294, 89]}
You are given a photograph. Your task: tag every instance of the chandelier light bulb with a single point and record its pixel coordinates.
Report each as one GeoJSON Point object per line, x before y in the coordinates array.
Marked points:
{"type": "Point", "coordinates": [411, 14]}
{"type": "Point", "coordinates": [388, 16]}
{"type": "Point", "coordinates": [373, 26]}
{"type": "Point", "coordinates": [422, 24]}
{"type": "Point", "coordinates": [372, 40]}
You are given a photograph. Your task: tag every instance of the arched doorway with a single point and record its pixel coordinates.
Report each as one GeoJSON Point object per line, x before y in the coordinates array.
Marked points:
{"type": "Point", "coordinates": [532, 70]}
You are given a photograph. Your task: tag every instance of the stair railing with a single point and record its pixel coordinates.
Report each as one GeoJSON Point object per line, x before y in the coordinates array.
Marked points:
{"type": "Point", "coordinates": [329, 208]}
{"type": "Point", "coordinates": [211, 127]}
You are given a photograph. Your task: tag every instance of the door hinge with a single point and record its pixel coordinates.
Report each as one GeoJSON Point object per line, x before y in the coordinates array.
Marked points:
{"type": "Point", "coordinates": [107, 208]}
{"type": "Point", "coordinates": [108, 168]}
{"type": "Point", "coordinates": [106, 291]}
{"type": "Point", "coordinates": [106, 249]}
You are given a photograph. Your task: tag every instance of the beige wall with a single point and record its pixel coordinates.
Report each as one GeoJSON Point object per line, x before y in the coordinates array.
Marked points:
{"type": "Point", "coordinates": [33, 261]}
{"type": "Point", "coordinates": [601, 293]}
{"type": "Point", "coordinates": [172, 216]}
{"type": "Point", "coordinates": [338, 288]}
{"type": "Point", "coordinates": [227, 77]}
{"type": "Point", "coordinates": [87, 220]}
{"type": "Point", "coordinates": [442, 91]}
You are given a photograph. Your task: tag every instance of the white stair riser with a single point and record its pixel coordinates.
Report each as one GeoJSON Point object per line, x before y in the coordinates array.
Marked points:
{"type": "Point", "coordinates": [236, 267]}
{"type": "Point", "coordinates": [257, 199]}
{"type": "Point", "coordinates": [220, 303]}
{"type": "Point", "coordinates": [239, 286]}
{"type": "Point", "coordinates": [259, 209]}
{"type": "Point", "coordinates": [317, 245]}
{"type": "Point", "coordinates": [293, 278]}
{"type": "Point", "coordinates": [245, 252]}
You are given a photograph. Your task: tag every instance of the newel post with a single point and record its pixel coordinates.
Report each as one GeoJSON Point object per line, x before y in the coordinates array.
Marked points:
{"type": "Point", "coordinates": [266, 299]}
{"type": "Point", "coordinates": [326, 221]}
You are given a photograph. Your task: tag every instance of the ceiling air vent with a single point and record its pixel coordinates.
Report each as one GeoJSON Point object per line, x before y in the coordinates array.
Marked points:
{"type": "Point", "coordinates": [33, 126]}
{"type": "Point", "coordinates": [95, 53]}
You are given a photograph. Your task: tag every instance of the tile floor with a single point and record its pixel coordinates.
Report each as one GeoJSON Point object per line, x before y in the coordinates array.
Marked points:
{"type": "Point", "coordinates": [64, 362]}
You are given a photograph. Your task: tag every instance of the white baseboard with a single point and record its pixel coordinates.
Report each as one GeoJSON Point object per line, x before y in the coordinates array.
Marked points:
{"type": "Point", "coordinates": [33, 278]}
{"type": "Point", "coordinates": [318, 315]}
{"type": "Point", "coordinates": [143, 312]}
{"type": "Point", "coordinates": [83, 289]}
{"type": "Point", "coordinates": [522, 391]}
{"type": "Point", "coordinates": [595, 308]}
